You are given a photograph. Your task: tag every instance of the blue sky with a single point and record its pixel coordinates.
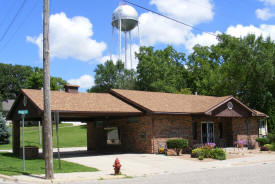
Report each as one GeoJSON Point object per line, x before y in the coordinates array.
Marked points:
{"type": "Point", "coordinates": [81, 30]}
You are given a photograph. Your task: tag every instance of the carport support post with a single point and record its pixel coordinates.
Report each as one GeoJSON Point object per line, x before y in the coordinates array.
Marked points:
{"type": "Point", "coordinates": [16, 137]}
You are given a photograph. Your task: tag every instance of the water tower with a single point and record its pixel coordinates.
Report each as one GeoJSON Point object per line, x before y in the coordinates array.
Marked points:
{"type": "Point", "coordinates": [124, 19]}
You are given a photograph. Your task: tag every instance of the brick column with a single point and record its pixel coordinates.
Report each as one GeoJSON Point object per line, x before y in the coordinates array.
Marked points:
{"type": "Point", "coordinates": [91, 136]}
{"type": "Point", "coordinates": [16, 137]}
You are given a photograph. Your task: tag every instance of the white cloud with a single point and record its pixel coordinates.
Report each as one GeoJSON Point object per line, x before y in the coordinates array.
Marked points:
{"type": "Point", "coordinates": [156, 29]}
{"type": "Point", "coordinates": [85, 81]}
{"type": "Point", "coordinates": [264, 14]}
{"type": "Point", "coordinates": [240, 30]}
{"type": "Point", "coordinates": [70, 38]}
{"type": "Point", "coordinates": [189, 11]}
{"type": "Point", "coordinates": [203, 39]}
{"type": "Point", "coordinates": [268, 2]}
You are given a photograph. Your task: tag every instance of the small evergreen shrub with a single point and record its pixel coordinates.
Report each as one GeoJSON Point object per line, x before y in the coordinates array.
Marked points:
{"type": "Point", "coordinates": [263, 140]}
{"type": "Point", "coordinates": [177, 144]}
{"type": "Point", "coordinates": [4, 132]}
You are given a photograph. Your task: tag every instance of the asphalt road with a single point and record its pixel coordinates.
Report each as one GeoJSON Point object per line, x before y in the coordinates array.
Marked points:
{"type": "Point", "coordinates": [260, 174]}
{"type": "Point", "coordinates": [257, 174]}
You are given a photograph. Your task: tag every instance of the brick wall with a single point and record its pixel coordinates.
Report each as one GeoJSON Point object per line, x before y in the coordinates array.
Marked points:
{"type": "Point", "coordinates": [145, 134]}
{"type": "Point", "coordinates": [134, 136]}
{"type": "Point", "coordinates": [241, 132]}
{"type": "Point", "coordinates": [167, 127]}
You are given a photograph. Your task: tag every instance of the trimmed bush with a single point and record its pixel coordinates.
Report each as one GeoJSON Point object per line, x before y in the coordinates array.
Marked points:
{"type": "Point", "coordinates": [177, 144]}
{"type": "Point", "coordinates": [263, 140]}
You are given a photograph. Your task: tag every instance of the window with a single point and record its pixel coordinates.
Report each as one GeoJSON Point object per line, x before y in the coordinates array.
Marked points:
{"type": "Point", "coordinates": [194, 128]}
{"type": "Point", "coordinates": [262, 127]}
{"type": "Point", "coordinates": [220, 130]}
{"type": "Point", "coordinates": [113, 135]}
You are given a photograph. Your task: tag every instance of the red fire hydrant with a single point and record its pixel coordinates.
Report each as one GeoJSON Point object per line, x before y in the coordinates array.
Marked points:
{"type": "Point", "coordinates": [117, 166]}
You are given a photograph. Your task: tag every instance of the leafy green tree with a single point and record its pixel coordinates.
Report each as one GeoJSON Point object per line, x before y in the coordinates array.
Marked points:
{"type": "Point", "coordinates": [243, 67]}
{"type": "Point", "coordinates": [12, 78]}
{"type": "Point", "coordinates": [35, 81]}
{"type": "Point", "coordinates": [161, 70]}
{"type": "Point", "coordinates": [4, 131]}
{"type": "Point", "coordinates": [110, 75]}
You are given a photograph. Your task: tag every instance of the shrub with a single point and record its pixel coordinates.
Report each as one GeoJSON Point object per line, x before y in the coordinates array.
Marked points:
{"type": "Point", "coordinates": [205, 152]}
{"type": "Point", "coordinates": [262, 141]}
{"type": "Point", "coordinates": [219, 154]}
{"type": "Point", "coordinates": [4, 132]}
{"type": "Point", "coordinates": [271, 146]}
{"type": "Point", "coordinates": [271, 137]}
{"type": "Point", "coordinates": [177, 144]}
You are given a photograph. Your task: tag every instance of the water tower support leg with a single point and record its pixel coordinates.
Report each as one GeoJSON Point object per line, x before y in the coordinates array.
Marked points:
{"type": "Point", "coordinates": [125, 62]}
{"type": "Point", "coordinates": [120, 39]}
{"type": "Point", "coordinates": [130, 37]}
{"type": "Point", "coordinates": [111, 48]}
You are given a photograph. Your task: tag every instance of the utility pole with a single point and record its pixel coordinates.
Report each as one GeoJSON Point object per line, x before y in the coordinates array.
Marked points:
{"type": "Point", "coordinates": [47, 124]}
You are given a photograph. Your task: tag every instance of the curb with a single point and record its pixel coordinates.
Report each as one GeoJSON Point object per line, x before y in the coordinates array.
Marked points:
{"type": "Point", "coordinates": [57, 181]}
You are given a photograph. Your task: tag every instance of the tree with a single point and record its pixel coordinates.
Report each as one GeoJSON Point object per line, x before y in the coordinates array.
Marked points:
{"type": "Point", "coordinates": [243, 67]}
{"type": "Point", "coordinates": [12, 79]}
{"type": "Point", "coordinates": [4, 131]}
{"type": "Point", "coordinates": [110, 75]}
{"type": "Point", "coordinates": [35, 81]}
{"type": "Point", "coordinates": [161, 70]}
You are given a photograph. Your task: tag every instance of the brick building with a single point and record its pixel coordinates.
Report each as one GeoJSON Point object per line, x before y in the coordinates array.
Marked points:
{"type": "Point", "coordinates": [139, 121]}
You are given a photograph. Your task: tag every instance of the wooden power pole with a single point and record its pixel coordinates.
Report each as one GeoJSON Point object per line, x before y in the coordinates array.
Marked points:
{"type": "Point", "coordinates": [47, 124]}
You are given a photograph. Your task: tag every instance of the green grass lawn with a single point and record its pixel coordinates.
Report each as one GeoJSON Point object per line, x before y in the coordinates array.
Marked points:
{"type": "Point", "coordinates": [12, 165]}
{"type": "Point", "coordinates": [69, 136]}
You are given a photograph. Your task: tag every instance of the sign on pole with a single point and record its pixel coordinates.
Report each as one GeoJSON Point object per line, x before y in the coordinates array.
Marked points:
{"type": "Point", "coordinates": [23, 113]}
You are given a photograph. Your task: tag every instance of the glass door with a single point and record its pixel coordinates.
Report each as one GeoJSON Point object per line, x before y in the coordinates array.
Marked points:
{"type": "Point", "coordinates": [207, 132]}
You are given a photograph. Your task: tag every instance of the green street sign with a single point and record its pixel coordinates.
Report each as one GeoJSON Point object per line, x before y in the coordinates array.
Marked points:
{"type": "Point", "coordinates": [23, 111]}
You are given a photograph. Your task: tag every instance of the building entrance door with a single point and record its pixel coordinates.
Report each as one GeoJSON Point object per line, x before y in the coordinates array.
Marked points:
{"type": "Point", "coordinates": [207, 132]}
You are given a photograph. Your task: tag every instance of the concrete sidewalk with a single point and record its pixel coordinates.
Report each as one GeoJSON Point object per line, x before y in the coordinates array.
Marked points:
{"type": "Point", "coordinates": [136, 165]}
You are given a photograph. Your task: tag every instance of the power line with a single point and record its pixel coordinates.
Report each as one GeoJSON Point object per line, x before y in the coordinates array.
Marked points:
{"type": "Point", "coordinates": [167, 17]}
{"type": "Point", "coordinates": [4, 18]}
{"type": "Point", "coordinates": [13, 20]}
{"type": "Point", "coordinates": [18, 28]}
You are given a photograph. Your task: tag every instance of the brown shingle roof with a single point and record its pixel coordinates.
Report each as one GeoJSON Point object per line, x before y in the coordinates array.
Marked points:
{"type": "Point", "coordinates": [168, 102]}
{"type": "Point", "coordinates": [258, 113]}
{"type": "Point", "coordinates": [81, 102]}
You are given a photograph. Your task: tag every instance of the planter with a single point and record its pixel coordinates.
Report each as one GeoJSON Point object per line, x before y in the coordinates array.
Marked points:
{"type": "Point", "coordinates": [31, 152]}
{"type": "Point", "coordinates": [239, 145]}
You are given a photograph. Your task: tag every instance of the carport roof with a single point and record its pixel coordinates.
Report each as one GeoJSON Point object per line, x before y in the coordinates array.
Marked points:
{"type": "Point", "coordinates": [80, 102]}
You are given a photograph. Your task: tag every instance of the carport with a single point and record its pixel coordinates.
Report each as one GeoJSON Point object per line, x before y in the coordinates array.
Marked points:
{"type": "Point", "coordinates": [91, 108]}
